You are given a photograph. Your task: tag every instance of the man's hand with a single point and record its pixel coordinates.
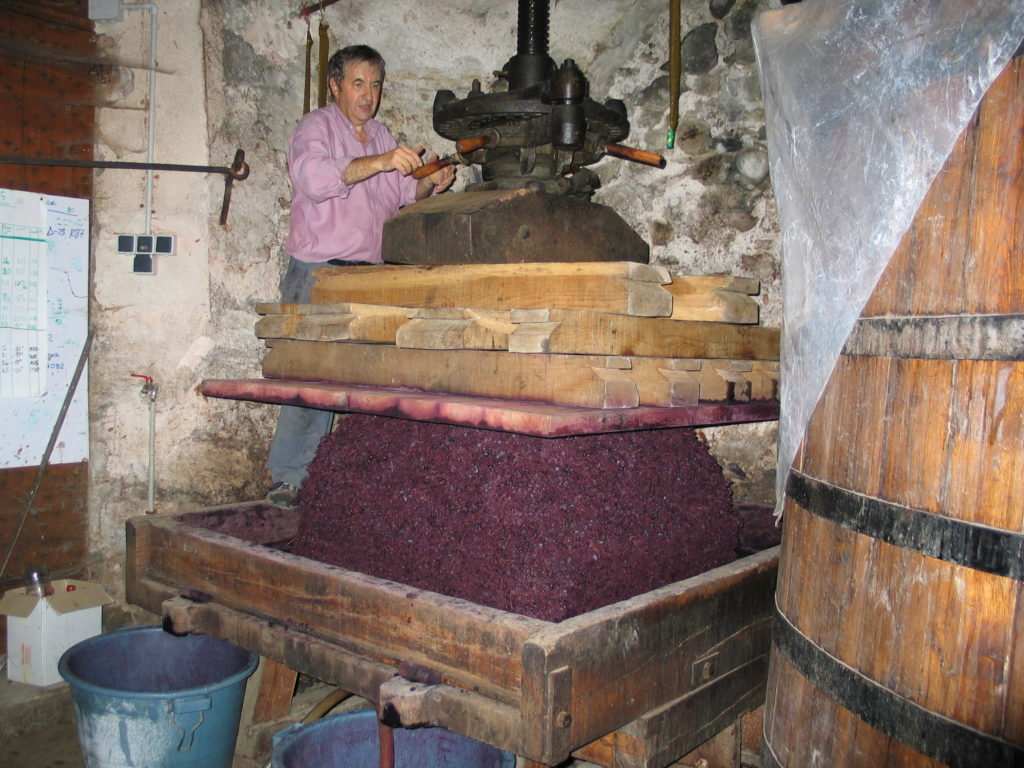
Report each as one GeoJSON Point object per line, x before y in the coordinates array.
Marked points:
{"type": "Point", "coordinates": [443, 178]}
{"type": "Point", "coordinates": [436, 182]}
{"type": "Point", "coordinates": [403, 159]}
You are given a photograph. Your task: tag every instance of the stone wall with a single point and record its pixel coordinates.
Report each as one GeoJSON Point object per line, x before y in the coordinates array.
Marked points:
{"type": "Point", "coordinates": [230, 75]}
{"type": "Point", "coordinates": [711, 209]}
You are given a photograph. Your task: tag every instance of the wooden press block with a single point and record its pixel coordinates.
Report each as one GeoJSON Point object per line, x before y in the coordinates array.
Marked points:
{"type": "Point", "coordinates": [562, 331]}
{"type": "Point", "coordinates": [714, 298]}
{"type": "Point", "coordinates": [764, 379]}
{"type": "Point", "coordinates": [741, 381]}
{"type": "Point", "coordinates": [330, 322]}
{"type": "Point", "coordinates": [589, 381]}
{"type": "Point", "coordinates": [749, 286]}
{"type": "Point", "coordinates": [502, 226]}
{"type": "Point", "coordinates": [455, 329]}
{"type": "Point", "coordinates": [674, 383]}
{"type": "Point", "coordinates": [624, 287]}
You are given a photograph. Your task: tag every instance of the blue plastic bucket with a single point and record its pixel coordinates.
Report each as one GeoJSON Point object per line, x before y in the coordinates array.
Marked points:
{"type": "Point", "coordinates": [145, 698]}
{"type": "Point", "coordinates": [352, 740]}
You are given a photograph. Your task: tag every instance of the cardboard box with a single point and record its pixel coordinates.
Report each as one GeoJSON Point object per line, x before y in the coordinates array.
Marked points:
{"type": "Point", "coordinates": [39, 630]}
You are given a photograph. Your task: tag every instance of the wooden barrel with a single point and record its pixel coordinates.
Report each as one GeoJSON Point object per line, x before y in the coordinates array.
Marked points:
{"type": "Point", "coordinates": [899, 625]}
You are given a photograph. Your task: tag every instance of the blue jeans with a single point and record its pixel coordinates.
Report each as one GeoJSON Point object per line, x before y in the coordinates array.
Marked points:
{"type": "Point", "coordinates": [299, 430]}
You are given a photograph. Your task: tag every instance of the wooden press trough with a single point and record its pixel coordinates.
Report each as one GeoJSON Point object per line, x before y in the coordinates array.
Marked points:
{"type": "Point", "coordinates": [637, 683]}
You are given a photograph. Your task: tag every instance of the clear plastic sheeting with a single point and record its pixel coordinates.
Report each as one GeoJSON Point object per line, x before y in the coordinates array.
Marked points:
{"type": "Point", "coordinates": [864, 101]}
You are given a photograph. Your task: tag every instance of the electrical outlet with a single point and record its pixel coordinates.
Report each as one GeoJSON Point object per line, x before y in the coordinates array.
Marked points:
{"type": "Point", "coordinates": [164, 244]}
{"type": "Point", "coordinates": [144, 250]}
{"type": "Point", "coordinates": [144, 264]}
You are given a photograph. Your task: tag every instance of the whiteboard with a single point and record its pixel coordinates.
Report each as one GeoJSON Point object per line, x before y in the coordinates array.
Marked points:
{"type": "Point", "coordinates": [62, 266]}
{"type": "Point", "coordinates": [22, 295]}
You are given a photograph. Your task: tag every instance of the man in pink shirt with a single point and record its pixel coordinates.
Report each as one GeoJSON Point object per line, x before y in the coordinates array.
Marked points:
{"type": "Point", "coordinates": [348, 176]}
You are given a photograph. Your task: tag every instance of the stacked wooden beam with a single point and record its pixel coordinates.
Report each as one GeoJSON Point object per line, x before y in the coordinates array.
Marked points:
{"type": "Point", "coordinates": [589, 334]}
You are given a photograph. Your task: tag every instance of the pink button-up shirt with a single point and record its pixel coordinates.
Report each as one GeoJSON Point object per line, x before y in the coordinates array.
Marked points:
{"type": "Point", "coordinates": [330, 219]}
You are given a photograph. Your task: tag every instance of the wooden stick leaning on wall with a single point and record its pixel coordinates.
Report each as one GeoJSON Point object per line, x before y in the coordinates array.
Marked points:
{"type": "Point", "coordinates": [55, 433]}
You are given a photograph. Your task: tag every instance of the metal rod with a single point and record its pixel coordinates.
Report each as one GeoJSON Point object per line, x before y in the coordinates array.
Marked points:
{"type": "Point", "coordinates": [82, 358]}
{"type": "Point", "coordinates": [533, 27]}
{"type": "Point", "coordinates": [151, 107]}
{"type": "Point", "coordinates": [243, 172]}
{"type": "Point", "coordinates": [674, 71]}
{"type": "Point", "coordinates": [238, 171]}
{"type": "Point", "coordinates": [237, 174]}
{"type": "Point", "coordinates": [151, 473]}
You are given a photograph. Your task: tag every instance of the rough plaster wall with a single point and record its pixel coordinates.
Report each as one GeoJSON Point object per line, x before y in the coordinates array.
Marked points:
{"type": "Point", "coordinates": [231, 76]}
{"type": "Point", "coordinates": [178, 325]}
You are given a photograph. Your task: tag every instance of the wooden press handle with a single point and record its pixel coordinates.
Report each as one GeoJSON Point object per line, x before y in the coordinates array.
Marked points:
{"type": "Point", "coordinates": [462, 146]}
{"type": "Point", "coordinates": [425, 170]}
{"type": "Point", "coordinates": [636, 155]}
{"type": "Point", "coordinates": [473, 143]}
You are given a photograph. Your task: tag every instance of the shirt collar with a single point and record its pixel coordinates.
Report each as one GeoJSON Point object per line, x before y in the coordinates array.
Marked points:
{"type": "Point", "coordinates": [370, 126]}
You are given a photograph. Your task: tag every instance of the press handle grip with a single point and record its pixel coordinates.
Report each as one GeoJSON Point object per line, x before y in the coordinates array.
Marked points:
{"type": "Point", "coordinates": [473, 143]}
{"type": "Point", "coordinates": [636, 155]}
{"type": "Point", "coordinates": [462, 147]}
{"type": "Point", "coordinates": [425, 170]}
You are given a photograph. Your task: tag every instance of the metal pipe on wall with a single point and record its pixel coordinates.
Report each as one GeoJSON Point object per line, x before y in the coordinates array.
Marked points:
{"type": "Point", "coordinates": [674, 55]}
{"type": "Point", "coordinates": [149, 390]}
{"type": "Point", "coordinates": [151, 118]}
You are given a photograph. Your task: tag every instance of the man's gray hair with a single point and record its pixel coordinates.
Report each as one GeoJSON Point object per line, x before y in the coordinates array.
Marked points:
{"type": "Point", "coordinates": [353, 53]}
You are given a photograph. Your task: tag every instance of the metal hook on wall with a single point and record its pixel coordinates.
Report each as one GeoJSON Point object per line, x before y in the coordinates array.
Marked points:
{"type": "Point", "coordinates": [311, 7]}
{"type": "Point", "coordinates": [238, 170]}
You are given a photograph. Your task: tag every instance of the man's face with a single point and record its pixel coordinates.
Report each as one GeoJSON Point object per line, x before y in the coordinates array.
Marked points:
{"type": "Point", "coordinates": [358, 93]}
